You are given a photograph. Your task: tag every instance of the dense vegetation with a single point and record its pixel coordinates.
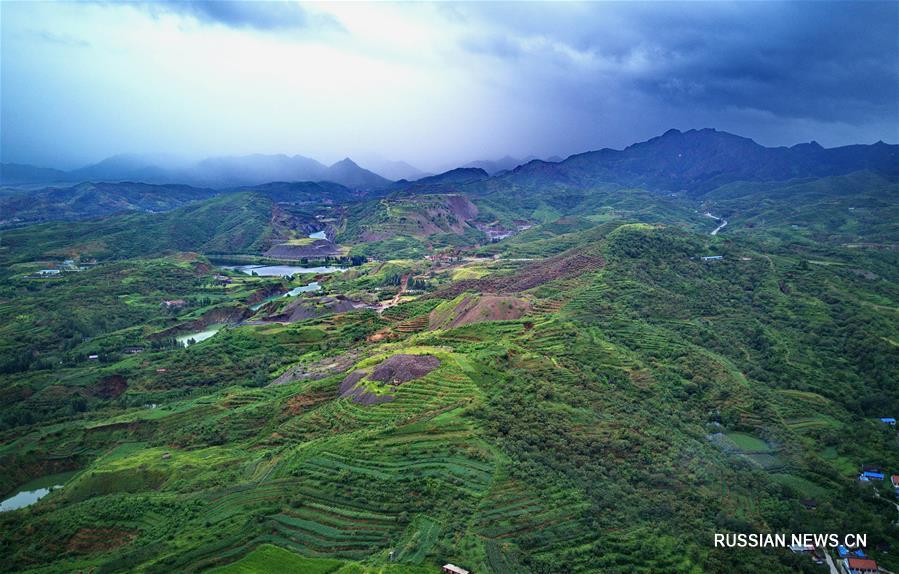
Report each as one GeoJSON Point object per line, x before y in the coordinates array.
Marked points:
{"type": "Point", "coordinates": [597, 397]}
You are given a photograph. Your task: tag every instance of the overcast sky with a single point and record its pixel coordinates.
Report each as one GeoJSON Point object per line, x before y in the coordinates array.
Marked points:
{"type": "Point", "coordinates": [436, 84]}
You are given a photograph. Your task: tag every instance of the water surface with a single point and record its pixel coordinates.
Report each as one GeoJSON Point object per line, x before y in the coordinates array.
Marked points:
{"type": "Point", "coordinates": [197, 336]}
{"type": "Point", "coordinates": [314, 286]}
{"type": "Point", "coordinates": [31, 492]}
{"type": "Point", "coordinates": [282, 270]}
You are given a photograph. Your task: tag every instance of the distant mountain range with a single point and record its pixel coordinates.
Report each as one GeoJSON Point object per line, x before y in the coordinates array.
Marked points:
{"type": "Point", "coordinates": [694, 162]}
{"type": "Point", "coordinates": [218, 172]}
{"type": "Point", "coordinates": [697, 161]}
{"type": "Point", "coordinates": [393, 170]}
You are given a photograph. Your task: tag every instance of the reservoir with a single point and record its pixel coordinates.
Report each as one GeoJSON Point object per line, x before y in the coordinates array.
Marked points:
{"type": "Point", "coordinates": [281, 270]}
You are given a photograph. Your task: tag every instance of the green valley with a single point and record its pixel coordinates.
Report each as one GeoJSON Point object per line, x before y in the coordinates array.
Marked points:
{"type": "Point", "coordinates": [513, 376]}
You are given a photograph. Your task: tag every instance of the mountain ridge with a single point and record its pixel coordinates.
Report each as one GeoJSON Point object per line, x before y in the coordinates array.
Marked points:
{"type": "Point", "coordinates": [693, 161]}
{"type": "Point", "coordinates": [218, 172]}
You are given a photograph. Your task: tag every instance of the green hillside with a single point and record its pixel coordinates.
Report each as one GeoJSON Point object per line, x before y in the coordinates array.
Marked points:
{"type": "Point", "coordinates": [90, 200]}
{"type": "Point", "coordinates": [233, 223]}
{"type": "Point", "coordinates": [585, 395]}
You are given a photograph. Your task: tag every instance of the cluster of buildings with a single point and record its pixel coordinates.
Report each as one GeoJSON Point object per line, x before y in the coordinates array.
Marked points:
{"type": "Point", "coordinates": [870, 473]}
{"type": "Point", "coordinates": [69, 265]}
{"type": "Point", "coordinates": [875, 473]}
{"type": "Point", "coordinates": [856, 561]}
{"type": "Point", "coordinates": [853, 561]}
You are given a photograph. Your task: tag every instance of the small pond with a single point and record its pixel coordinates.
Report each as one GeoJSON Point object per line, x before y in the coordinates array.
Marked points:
{"type": "Point", "coordinates": [197, 336]}
{"type": "Point", "coordinates": [31, 492]}
{"type": "Point", "coordinates": [314, 286]}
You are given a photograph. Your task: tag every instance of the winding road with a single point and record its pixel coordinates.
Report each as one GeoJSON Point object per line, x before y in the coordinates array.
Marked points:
{"type": "Point", "coordinates": [720, 226]}
{"type": "Point", "coordinates": [830, 564]}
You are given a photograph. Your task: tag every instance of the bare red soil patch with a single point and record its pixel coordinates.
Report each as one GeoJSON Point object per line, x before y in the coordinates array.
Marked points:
{"type": "Point", "coordinates": [564, 266]}
{"type": "Point", "coordinates": [91, 540]}
{"type": "Point", "coordinates": [395, 370]}
{"type": "Point", "coordinates": [299, 404]}
{"type": "Point", "coordinates": [479, 309]}
{"type": "Point", "coordinates": [403, 368]}
{"type": "Point", "coordinates": [109, 387]}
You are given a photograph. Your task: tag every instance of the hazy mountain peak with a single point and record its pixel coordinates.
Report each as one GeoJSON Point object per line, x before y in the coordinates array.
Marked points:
{"type": "Point", "coordinates": [346, 162]}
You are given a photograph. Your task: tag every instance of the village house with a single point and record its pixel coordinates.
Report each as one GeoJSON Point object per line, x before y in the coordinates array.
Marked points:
{"type": "Point", "coordinates": [712, 257]}
{"type": "Point", "coordinates": [868, 475]}
{"type": "Point", "coordinates": [888, 420]}
{"type": "Point", "coordinates": [809, 503]}
{"type": "Point", "coordinates": [453, 569]}
{"type": "Point", "coordinates": [895, 480]}
{"type": "Point", "coordinates": [174, 303]}
{"type": "Point", "coordinates": [48, 272]}
{"type": "Point", "coordinates": [133, 350]}
{"type": "Point", "coordinates": [861, 566]}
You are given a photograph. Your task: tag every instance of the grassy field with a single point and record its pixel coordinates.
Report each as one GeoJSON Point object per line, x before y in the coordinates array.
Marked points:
{"type": "Point", "coordinates": [268, 559]}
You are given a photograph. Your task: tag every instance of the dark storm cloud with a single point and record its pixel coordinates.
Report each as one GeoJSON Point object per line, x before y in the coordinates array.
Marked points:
{"type": "Point", "coordinates": [269, 15]}
{"type": "Point", "coordinates": [817, 61]}
{"type": "Point", "coordinates": [435, 83]}
{"type": "Point", "coordinates": [820, 61]}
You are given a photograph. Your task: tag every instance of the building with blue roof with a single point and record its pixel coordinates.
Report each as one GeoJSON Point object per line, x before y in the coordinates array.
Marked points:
{"type": "Point", "coordinates": [870, 475]}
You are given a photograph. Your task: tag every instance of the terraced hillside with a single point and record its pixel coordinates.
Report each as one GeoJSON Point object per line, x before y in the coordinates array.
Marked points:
{"type": "Point", "coordinates": [602, 391]}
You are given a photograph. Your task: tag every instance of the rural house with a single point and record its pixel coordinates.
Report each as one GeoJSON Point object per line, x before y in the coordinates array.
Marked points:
{"type": "Point", "coordinates": [453, 569]}
{"type": "Point", "coordinates": [869, 475]}
{"type": "Point", "coordinates": [861, 566]}
{"type": "Point", "coordinates": [888, 420]}
{"type": "Point", "coordinates": [712, 257]}
{"type": "Point", "coordinates": [174, 303]}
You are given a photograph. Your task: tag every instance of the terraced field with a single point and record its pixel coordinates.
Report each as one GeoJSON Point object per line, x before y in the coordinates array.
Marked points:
{"type": "Point", "coordinates": [604, 406]}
